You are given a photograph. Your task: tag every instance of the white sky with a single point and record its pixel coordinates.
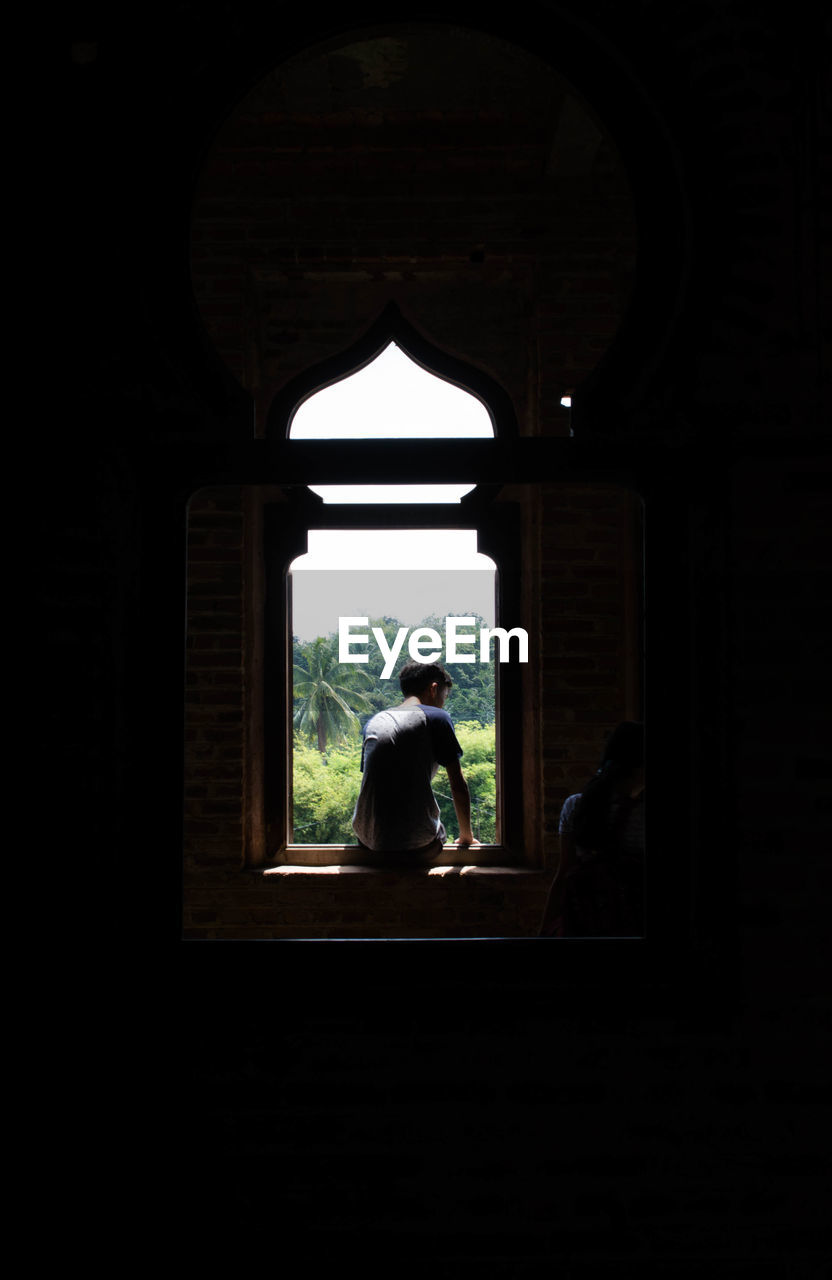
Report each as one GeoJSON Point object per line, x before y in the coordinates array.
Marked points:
{"type": "Point", "coordinates": [392, 398]}
{"type": "Point", "coordinates": [407, 574]}
{"type": "Point", "coordinates": [395, 398]}
{"type": "Point", "coordinates": [375, 493]}
{"type": "Point", "coordinates": [399, 549]}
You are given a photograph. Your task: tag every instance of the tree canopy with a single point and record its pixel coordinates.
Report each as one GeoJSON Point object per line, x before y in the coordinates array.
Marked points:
{"type": "Point", "coordinates": [332, 703]}
{"type": "Point", "coordinates": [326, 786]}
{"type": "Point", "coordinates": [327, 694]}
{"type": "Point", "coordinates": [471, 699]}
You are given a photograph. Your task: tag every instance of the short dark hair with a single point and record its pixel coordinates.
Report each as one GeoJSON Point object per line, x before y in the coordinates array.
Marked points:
{"type": "Point", "coordinates": [416, 676]}
{"type": "Point", "coordinates": [625, 746]}
{"type": "Point", "coordinates": [623, 754]}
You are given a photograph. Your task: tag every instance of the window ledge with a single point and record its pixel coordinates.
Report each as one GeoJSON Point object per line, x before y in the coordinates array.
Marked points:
{"type": "Point", "coordinates": [353, 857]}
{"type": "Point", "coordinates": [456, 869]}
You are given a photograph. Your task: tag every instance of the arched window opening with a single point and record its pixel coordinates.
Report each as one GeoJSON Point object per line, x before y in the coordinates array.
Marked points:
{"type": "Point", "coordinates": [392, 398]}
{"type": "Point", "coordinates": [387, 572]}
{"type": "Point", "coordinates": [518, 258]}
{"type": "Point", "coordinates": [364, 602]}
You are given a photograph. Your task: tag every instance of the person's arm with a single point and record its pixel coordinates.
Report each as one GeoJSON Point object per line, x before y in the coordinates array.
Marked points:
{"type": "Point", "coordinates": [554, 903]}
{"type": "Point", "coordinates": [462, 804]}
{"type": "Point", "coordinates": [552, 921]}
{"type": "Point", "coordinates": [553, 911]}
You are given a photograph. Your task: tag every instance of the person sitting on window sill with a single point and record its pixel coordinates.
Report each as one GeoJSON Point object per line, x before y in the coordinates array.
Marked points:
{"type": "Point", "coordinates": [396, 817]}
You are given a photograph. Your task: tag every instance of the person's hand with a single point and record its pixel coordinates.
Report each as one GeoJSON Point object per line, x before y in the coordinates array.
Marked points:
{"type": "Point", "coordinates": [467, 843]}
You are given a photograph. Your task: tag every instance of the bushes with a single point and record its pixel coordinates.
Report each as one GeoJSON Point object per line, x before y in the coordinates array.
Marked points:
{"type": "Point", "coordinates": [326, 781]}
{"type": "Point", "coordinates": [478, 744]}
{"type": "Point", "coordinates": [326, 787]}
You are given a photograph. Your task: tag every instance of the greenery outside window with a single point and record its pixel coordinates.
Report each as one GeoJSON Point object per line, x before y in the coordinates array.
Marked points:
{"type": "Point", "coordinates": [314, 703]}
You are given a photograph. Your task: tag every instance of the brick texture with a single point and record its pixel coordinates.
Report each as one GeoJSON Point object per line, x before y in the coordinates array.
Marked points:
{"type": "Point", "coordinates": [498, 1111]}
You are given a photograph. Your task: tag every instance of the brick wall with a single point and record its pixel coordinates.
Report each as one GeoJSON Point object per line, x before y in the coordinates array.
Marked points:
{"type": "Point", "coordinates": [505, 232]}
{"type": "Point", "coordinates": [214, 725]}
{"type": "Point", "coordinates": [582, 679]}
{"type": "Point", "coordinates": [513, 250]}
{"type": "Point", "coordinates": [590, 677]}
{"type": "Point", "coordinates": [440, 1122]}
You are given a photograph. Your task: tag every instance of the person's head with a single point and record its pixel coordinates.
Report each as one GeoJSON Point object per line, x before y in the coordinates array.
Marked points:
{"type": "Point", "coordinates": [625, 748]}
{"type": "Point", "coordinates": [620, 773]}
{"type": "Point", "coordinates": [427, 681]}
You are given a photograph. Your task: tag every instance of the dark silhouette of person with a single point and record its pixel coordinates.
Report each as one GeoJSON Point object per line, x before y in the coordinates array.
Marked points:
{"type": "Point", "coordinates": [396, 814]}
{"type": "Point", "coordinates": [598, 890]}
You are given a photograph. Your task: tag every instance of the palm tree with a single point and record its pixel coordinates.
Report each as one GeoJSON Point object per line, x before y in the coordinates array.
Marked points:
{"type": "Point", "coordinates": [328, 693]}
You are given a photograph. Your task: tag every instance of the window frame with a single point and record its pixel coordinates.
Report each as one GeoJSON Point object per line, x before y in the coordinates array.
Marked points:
{"type": "Point", "coordinates": [286, 526]}
{"type": "Point", "coordinates": [386, 461]}
{"type": "Point", "coordinates": [688, 952]}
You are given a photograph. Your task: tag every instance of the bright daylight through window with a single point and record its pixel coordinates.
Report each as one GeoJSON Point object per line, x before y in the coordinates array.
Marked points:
{"type": "Point", "coordinates": [392, 398]}
{"type": "Point", "coordinates": [366, 601]}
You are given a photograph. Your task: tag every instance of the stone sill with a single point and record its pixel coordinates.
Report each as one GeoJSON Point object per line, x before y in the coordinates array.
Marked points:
{"type": "Point", "coordinates": [340, 859]}
{"type": "Point", "coordinates": [456, 869]}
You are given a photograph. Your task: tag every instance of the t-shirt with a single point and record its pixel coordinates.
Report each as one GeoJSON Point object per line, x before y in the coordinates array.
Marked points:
{"type": "Point", "coordinates": [632, 837]}
{"type": "Point", "coordinates": [403, 747]}
{"type": "Point", "coordinates": [603, 896]}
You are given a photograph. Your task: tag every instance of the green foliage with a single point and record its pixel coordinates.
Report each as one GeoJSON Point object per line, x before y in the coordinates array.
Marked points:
{"type": "Point", "coordinates": [472, 697]}
{"type": "Point", "coordinates": [333, 700]}
{"type": "Point", "coordinates": [478, 756]}
{"type": "Point", "coordinates": [325, 790]}
{"type": "Point", "coordinates": [478, 742]}
{"type": "Point", "coordinates": [327, 693]}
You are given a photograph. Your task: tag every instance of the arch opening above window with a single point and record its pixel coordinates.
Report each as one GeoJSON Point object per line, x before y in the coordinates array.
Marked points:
{"type": "Point", "coordinates": [423, 393]}
{"type": "Point", "coordinates": [392, 398]}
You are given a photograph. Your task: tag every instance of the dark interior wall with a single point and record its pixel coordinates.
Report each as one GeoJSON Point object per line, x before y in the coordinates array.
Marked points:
{"type": "Point", "coordinates": [505, 1126]}
{"type": "Point", "coordinates": [581, 553]}
{"type": "Point", "coordinates": [462, 179]}
{"type": "Point", "coordinates": [439, 167]}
